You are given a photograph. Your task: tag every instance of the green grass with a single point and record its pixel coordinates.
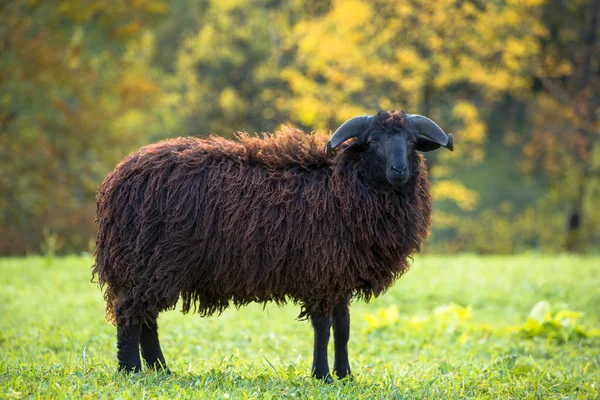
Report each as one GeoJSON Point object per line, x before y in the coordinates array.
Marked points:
{"type": "Point", "coordinates": [453, 327]}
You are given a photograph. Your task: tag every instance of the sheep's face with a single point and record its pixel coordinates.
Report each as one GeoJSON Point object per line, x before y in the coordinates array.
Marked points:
{"type": "Point", "coordinates": [388, 154]}
{"type": "Point", "coordinates": [387, 143]}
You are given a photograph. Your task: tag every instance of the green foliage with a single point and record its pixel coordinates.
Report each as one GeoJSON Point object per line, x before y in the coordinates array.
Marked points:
{"type": "Point", "coordinates": [82, 84]}
{"type": "Point", "coordinates": [452, 327]}
{"type": "Point", "coordinates": [74, 89]}
{"type": "Point", "coordinates": [228, 73]}
{"type": "Point", "coordinates": [500, 230]}
{"type": "Point", "coordinates": [455, 320]}
{"type": "Point", "coordinates": [562, 325]}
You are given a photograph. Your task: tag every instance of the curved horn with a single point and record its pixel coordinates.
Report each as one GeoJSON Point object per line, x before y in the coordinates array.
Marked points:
{"type": "Point", "coordinates": [349, 129]}
{"type": "Point", "coordinates": [431, 133]}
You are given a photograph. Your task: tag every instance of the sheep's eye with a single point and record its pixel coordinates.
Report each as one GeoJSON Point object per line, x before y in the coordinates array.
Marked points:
{"type": "Point", "coordinates": [412, 141]}
{"type": "Point", "coordinates": [370, 142]}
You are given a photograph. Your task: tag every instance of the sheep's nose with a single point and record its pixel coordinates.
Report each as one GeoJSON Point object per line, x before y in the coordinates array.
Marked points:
{"type": "Point", "coordinates": [400, 170]}
{"type": "Point", "coordinates": [398, 175]}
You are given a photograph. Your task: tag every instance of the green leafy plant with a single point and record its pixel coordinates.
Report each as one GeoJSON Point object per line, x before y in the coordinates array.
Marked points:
{"type": "Point", "coordinates": [561, 325]}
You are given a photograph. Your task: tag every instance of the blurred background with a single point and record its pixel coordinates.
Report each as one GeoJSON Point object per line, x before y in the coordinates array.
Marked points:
{"type": "Point", "coordinates": [84, 83]}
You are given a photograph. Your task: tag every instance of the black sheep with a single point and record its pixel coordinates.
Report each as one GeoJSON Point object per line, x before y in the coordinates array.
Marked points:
{"type": "Point", "coordinates": [214, 222]}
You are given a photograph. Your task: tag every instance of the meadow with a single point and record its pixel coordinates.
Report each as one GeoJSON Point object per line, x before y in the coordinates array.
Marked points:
{"type": "Point", "coordinates": [453, 327]}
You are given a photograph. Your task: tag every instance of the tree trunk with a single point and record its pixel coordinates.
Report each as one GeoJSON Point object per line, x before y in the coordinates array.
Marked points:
{"type": "Point", "coordinates": [574, 241]}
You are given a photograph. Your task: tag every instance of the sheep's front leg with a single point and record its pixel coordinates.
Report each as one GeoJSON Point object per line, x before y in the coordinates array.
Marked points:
{"type": "Point", "coordinates": [341, 335]}
{"type": "Point", "coordinates": [322, 326]}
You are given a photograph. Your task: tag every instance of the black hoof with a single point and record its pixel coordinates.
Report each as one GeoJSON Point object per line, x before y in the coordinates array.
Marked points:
{"type": "Point", "coordinates": [343, 374]}
{"type": "Point", "coordinates": [159, 368]}
{"type": "Point", "coordinates": [324, 377]}
{"type": "Point", "coordinates": [130, 369]}
{"type": "Point", "coordinates": [347, 378]}
{"type": "Point", "coordinates": [162, 370]}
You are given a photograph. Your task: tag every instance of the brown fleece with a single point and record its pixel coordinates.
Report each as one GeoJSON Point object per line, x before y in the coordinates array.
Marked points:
{"type": "Point", "coordinates": [214, 222]}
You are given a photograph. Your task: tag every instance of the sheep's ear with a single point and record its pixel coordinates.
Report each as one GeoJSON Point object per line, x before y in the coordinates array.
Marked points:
{"type": "Point", "coordinates": [429, 135]}
{"type": "Point", "coordinates": [428, 145]}
{"type": "Point", "coordinates": [355, 149]}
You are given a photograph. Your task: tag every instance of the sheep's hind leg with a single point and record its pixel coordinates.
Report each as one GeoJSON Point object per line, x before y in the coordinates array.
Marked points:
{"type": "Point", "coordinates": [151, 347]}
{"type": "Point", "coordinates": [128, 346]}
{"type": "Point", "coordinates": [341, 335]}
{"type": "Point", "coordinates": [322, 326]}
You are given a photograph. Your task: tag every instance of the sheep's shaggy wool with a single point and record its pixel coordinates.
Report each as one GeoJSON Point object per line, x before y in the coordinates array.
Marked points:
{"type": "Point", "coordinates": [214, 221]}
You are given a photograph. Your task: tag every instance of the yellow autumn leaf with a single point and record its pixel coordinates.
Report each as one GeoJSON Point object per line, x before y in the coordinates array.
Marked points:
{"type": "Point", "coordinates": [456, 192]}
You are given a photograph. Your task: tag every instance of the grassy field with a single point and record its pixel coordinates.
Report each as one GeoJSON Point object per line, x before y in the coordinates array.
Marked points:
{"type": "Point", "coordinates": [453, 327]}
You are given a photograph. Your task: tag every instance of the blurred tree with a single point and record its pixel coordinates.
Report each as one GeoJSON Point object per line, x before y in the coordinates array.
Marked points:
{"type": "Point", "coordinates": [565, 113]}
{"type": "Point", "coordinates": [184, 19]}
{"type": "Point", "coordinates": [83, 83]}
{"type": "Point", "coordinates": [73, 91]}
{"type": "Point", "coordinates": [227, 73]}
